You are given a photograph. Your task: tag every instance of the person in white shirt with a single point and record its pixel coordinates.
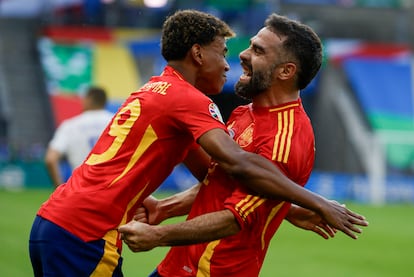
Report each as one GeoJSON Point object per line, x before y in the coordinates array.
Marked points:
{"type": "Point", "coordinates": [76, 136]}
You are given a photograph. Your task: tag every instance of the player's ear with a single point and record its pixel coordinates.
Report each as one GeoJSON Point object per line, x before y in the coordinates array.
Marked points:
{"type": "Point", "coordinates": [287, 70]}
{"type": "Point", "coordinates": [196, 53]}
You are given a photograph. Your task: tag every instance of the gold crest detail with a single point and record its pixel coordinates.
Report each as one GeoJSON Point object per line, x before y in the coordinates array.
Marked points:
{"type": "Point", "coordinates": [246, 136]}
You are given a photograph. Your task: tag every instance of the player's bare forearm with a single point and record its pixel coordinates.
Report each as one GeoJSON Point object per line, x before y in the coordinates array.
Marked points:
{"type": "Point", "coordinates": [255, 171]}
{"type": "Point", "coordinates": [175, 205]}
{"type": "Point", "coordinates": [52, 159]}
{"type": "Point", "coordinates": [54, 174]}
{"type": "Point", "coordinates": [208, 227]}
{"type": "Point", "coordinates": [262, 176]}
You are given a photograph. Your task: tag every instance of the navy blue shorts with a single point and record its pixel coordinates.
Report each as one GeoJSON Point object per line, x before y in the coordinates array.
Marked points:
{"type": "Point", "coordinates": [56, 252]}
{"type": "Point", "coordinates": [154, 274]}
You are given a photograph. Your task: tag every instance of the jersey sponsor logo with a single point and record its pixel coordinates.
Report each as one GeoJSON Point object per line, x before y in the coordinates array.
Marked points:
{"type": "Point", "coordinates": [215, 112]}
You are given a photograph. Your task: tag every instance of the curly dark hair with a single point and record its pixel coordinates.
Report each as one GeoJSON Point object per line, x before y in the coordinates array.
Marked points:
{"type": "Point", "coordinates": [302, 43]}
{"type": "Point", "coordinates": [185, 28]}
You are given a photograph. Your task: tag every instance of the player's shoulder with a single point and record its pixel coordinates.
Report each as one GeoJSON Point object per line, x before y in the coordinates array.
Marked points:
{"type": "Point", "coordinates": [106, 113]}
{"type": "Point", "coordinates": [186, 94]}
{"type": "Point", "coordinates": [71, 121]}
{"type": "Point", "coordinates": [241, 109]}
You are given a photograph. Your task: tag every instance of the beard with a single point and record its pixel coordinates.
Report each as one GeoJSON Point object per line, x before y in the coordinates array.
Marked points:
{"type": "Point", "coordinates": [259, 82]}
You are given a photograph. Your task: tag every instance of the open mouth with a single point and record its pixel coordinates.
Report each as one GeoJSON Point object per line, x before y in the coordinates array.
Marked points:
{"type": "Point", "coordinates": [247, 72]}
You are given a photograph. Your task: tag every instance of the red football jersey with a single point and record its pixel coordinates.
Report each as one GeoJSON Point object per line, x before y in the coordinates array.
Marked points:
{"type": "Point", "coordinates": [282, 134]}
{"type": "Point", "coordinates": [149, 135]}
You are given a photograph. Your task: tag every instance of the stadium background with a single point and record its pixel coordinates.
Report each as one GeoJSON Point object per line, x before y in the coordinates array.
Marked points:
{"type": "Point", "coordinates": [361, 103]}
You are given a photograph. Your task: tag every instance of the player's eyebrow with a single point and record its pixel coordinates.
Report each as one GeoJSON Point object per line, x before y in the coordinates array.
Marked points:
{"type": "Point", "coordinates": [257, 47]}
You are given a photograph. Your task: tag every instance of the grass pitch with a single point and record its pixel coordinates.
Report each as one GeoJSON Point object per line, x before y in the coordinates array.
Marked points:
{"type": "Point", "coordinates": [384, 249]}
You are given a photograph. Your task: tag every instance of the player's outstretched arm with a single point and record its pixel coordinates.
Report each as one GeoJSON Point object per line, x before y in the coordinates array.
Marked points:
{"type": "Point", "coordinates": [208, 227]}
{"type": "Point", "coordinates": [262, 176]}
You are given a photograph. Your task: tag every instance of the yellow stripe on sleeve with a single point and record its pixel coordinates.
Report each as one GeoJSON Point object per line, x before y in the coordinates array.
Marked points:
{"type": "Point", "coordinates": [283, 137]}
{"type": "Point", "coordinates": [248, 205]}
{"type": "Point", "coordinates": [290, 133]}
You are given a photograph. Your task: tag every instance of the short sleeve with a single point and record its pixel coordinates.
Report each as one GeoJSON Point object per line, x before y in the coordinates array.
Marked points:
{"type": "Point", "coordinates": [243, 205]}
{"type": "Point", "coordinates": [199, 114]}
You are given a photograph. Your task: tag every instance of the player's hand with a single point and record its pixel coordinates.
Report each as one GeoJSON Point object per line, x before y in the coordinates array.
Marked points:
{"type": "Point", "coordinates": [138, 236]}
{"type": "Point", "coordinates": [341, 218]}
{"type": "Point", "coordinates": [141, 215]}
{"type": "Point", "coordinates": [309, 220]}
{"type": "Point", "coordinates": [148, 212]}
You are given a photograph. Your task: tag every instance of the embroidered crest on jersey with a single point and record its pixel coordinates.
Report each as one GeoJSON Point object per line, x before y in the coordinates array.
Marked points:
{"type": "Point", "coordinates": [215, 112]}
{"type": "Point", "coordinates": [246, 137]}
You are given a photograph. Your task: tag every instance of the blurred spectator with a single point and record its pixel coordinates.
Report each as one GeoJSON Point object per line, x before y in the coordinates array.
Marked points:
{"type": "Point", "coordinates": [76, 136]}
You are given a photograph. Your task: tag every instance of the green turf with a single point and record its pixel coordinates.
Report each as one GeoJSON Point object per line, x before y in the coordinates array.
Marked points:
{"type": "Point", "coordinates": [384, 249]}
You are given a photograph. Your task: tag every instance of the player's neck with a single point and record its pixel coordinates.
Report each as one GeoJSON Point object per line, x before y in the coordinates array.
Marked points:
{"type": "Point", "coordinates": [186, 71]}
{"type": "Point", "coordinates": [274, 97]}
